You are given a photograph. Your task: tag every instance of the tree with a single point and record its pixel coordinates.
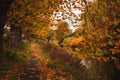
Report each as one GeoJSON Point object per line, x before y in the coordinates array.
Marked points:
{"type": "Point", "coordinates": [62, 32]}
{"type": "Point", "coordinates": [17, 14]}
{"type": "Point", "coordinates": [101, 31]}
{"type": "Point", "coordinates": [104, 17]}
{"type": "Point", "coordinates": [70, 11]}
{"type": "Point", "coordinates": [30, 17]}
{"type": "Point", "coordinates": [20, 16]}
{"type": "Point", "coordinates": [4, 7]}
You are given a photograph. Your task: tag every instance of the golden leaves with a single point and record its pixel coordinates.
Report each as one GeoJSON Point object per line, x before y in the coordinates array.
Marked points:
{"type": "Point", "coordinates": [105, 59]}
{"type": "Point", "coordinates": [32, 14]}
{"type": "Point", "coordinates": [74, 41]}
{"type": "Point", "coordinates": [116, 49]}
{"type": "Point", "coordinates": [62, 30]}
{"type": "Point", "coordinates": [42, 33]}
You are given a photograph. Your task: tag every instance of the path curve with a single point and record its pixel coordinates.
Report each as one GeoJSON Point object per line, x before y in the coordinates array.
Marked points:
{"type": "Point", "coordinates": [38, 69]}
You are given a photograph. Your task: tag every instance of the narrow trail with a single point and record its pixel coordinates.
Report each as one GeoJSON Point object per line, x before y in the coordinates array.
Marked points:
{"type": "Point", "coordinates": [32, 70]}
{"type": "Point", "coordinates": [37, 68]}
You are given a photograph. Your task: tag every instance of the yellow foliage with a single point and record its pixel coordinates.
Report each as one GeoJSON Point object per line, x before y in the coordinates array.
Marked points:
{"type": "Point", "coordinates": [62, 30]}
{"type": "Point", "coordinates": [74, 41]}
{"type": "Point", "coordinates": [116, 49]}
{"type": "Point", "coordinates": [42, 33]}
{"type": "Point", "coordinates": [106, 59]}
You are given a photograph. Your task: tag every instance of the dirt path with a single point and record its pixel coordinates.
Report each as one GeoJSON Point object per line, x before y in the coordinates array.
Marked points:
{"type": "Point", "coordinates": [37, 68]}
{"type": "Point", "coordinates": [32, 70]}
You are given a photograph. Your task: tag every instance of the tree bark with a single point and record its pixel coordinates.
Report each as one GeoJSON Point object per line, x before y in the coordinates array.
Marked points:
{"type": "Point", "coordinates": [1, 39]}
{"type": "Point", "coordinates": [16, 36]}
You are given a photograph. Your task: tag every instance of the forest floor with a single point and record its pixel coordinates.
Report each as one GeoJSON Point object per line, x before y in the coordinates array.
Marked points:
{"type": "Point", "coordinates": [37, 68]}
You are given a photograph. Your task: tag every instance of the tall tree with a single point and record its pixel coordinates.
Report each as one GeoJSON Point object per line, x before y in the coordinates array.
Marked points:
{"type": "Point", "coordinates": [4, 7]}
{"type": "Point", "coordinates": [31, 17]}
{"type": "Point", "coordinates": [101, 31]}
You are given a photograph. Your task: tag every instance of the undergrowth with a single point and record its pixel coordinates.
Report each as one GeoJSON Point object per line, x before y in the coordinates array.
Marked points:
{"type": "Point", "coordinates": [57, 60]}
{"type": "Point", "coordinates": [75, 73]}
{"type": "Point", "coordinates": [16, 58]}
{"type": "Point", "coordinates": [43, 53]}
{"type": "Point", "coordinates": [18, 53]}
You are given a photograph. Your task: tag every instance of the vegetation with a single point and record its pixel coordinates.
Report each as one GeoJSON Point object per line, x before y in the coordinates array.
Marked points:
{"type": "Point", "coordinates": [85, 53]}
{"type": "Point", "coordinates": [16, 59]}
{"type": "Point", "coordinates": [20, 53]}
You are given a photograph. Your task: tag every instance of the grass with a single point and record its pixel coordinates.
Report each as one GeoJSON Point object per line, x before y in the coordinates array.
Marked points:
{"type": "Point", "coordinates": [45, 54]}
{"type": "Point", "coordinates": [16, 58]}
{"type": "Point", "coordinates": [18, 53]}
{"type": "Point", "coordinates": [53, 63]}
{"type": "Point", "coordinates": [77, 74]}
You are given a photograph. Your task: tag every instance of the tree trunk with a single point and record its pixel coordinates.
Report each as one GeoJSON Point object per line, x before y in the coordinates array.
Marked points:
{"type": "Point", "coordinates": [16, 36]}
{"type": "Point", "coordinates": [2, 24]}
{"type": "Point", "coordinates": [4, 6]}
{"type": "Point", "coordinates": [1, 40]}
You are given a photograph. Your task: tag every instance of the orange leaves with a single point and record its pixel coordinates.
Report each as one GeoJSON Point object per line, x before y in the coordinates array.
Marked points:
{"type": "Point", "coordinates": [42, 33]}
{"type": "Point", "coordinates": [116, 49]}
{"type": "Point", "coordinates": [102, 30]}
{"type": "Point", "coordinates": [32, 15]}
{"type": "Point", "coordinates": [51, 22]}
{"type": "Point", "coordinates": [105, 59]}
{"type": "Point", "coordinates": [63, 27]}
{"type": "Point", "coordinates": [72, 44]}
{"type": "Point", "coordinates": [74, 41]}
{"type": "Point", "coordinates": [62, 30]}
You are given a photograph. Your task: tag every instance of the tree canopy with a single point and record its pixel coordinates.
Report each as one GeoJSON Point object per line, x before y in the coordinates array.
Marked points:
{"type": "Point", "coordinates": [96, 25]}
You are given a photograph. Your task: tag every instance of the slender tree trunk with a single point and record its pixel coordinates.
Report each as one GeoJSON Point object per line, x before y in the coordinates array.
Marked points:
{"type": "Point", "coordinates": [16, 36]}
{"type": "Point", "coordinates": [116, 72]}
{"type": "Point", "coordinates": [1, 41]}
{"type": "Point", "coordinates": [2, 24]}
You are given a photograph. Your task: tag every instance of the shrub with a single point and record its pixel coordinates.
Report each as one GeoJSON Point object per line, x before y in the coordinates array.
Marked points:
{"type": "Point", "coordinates": [18, 53]}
